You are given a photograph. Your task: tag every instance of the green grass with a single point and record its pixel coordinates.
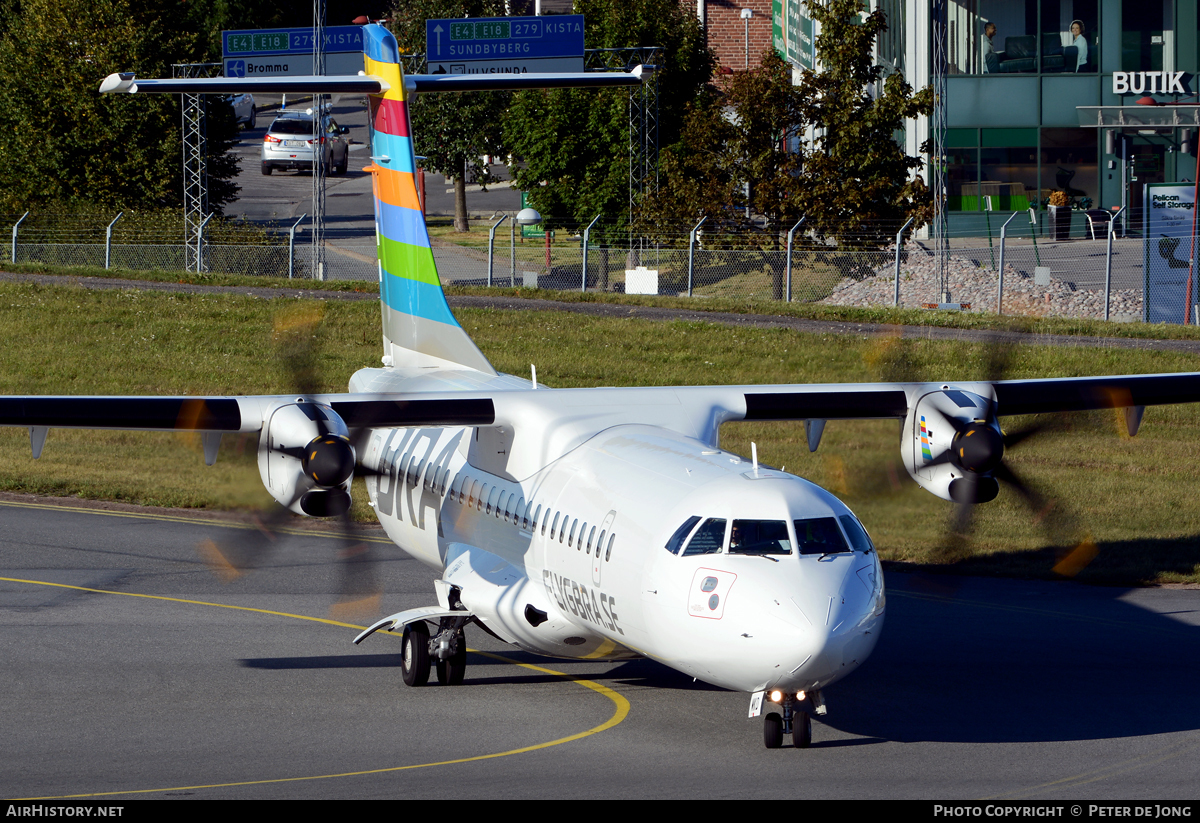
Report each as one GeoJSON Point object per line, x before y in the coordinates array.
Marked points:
{"type": "Point", "coordinates": [1134, 496]}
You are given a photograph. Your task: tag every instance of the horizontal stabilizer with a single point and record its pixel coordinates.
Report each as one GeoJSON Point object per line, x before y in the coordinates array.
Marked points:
{"type": "Point", "coordinates": [337, 84]}
{"type": "Point", "coordinates": [422, 83]}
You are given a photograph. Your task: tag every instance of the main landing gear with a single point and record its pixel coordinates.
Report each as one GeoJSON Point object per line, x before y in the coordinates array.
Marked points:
{"type": "Point", "coordinates": [789, 720]}
{"type": "Point", "coordinates": [446, 651]}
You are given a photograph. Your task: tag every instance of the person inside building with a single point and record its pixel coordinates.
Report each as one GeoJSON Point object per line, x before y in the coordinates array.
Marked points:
{"type": "Point", "coordinates": [1079, 42]}
{"type": "Point", "coordinates": [991, 61]}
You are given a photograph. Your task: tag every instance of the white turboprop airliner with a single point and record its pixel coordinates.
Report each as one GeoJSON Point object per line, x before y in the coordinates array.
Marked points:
{"type": "Point", "coordinates": [600, 523]}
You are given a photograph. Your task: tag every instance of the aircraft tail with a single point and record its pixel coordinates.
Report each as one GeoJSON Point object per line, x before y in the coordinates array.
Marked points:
{"type": "Point", "coordinates": [418, 326]}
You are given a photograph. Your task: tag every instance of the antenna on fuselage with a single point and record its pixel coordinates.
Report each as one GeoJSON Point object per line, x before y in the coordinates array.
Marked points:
{"type": "Point", "coordinates": [754, 456]}
{"type": "Point", "coordinates": [533, 369]}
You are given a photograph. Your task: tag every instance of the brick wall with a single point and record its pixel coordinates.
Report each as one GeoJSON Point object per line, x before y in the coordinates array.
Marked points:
{"type": "Point", "coordinates": [727, 31]}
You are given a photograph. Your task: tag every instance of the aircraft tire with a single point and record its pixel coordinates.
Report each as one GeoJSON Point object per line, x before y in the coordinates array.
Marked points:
{"type": "Point", "coordinates": [451, 672]}
{"type": "Point", "coordinates": [414, 654]}
{"type": "Point", "coordinates": [773, 731]}
{"type": "Point", "coordinates": [802, 730]}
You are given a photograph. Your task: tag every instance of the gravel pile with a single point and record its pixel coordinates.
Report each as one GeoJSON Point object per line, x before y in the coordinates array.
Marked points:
{"type": "Point", "coordinates": [977, 286]}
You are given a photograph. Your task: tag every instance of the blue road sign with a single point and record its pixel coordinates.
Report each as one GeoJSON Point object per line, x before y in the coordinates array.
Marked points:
{"type": "Point", "coordinates": [504, 38]}
{"type": "Point", "coordinates": [263, 42]}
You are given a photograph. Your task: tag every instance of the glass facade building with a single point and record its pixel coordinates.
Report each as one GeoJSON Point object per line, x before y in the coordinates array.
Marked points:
{"type": "Point", "coordinates": [1017, 73]}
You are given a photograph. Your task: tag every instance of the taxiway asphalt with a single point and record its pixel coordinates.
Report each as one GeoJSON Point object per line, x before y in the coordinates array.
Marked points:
{"type": "Point", "coordinates": [130, 671]}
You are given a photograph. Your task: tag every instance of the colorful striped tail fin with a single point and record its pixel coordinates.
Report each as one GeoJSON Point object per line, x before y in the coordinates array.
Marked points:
{"type": "Point", "coordinates": [418, 327]}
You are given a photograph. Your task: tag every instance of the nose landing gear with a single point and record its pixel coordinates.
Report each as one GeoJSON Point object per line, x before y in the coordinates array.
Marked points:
{"type": "Point", "coordinates": [796, 723]}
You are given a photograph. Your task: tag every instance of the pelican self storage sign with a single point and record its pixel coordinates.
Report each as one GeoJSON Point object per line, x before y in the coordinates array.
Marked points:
{"type": "Point", "coordinates": [504, 45]}
{"type": "Point", "coordinates": [1168, 249]}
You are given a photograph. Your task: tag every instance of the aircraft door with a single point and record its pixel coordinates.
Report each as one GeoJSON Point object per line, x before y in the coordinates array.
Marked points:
{"type": "Point", "coordinates": [597, 551]}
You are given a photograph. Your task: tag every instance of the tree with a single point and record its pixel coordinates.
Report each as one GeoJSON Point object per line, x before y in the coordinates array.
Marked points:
{"type": "Point", "coordinates": [858, 182]}
{"type": "Point", "coordinates": [573, 144]}
{"type": "Point", "coordinates": [63, 143]}
{"type": "Point", "coordinates": [851, 181]}
{"type": "Point", "coordinates": [453, 131]}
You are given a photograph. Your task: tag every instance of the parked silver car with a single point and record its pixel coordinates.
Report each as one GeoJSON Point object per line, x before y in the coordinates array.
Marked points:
{"type": "Point", "coordinates": [288, 143]}
{"type": "Point", "coordinates": [244, 109]}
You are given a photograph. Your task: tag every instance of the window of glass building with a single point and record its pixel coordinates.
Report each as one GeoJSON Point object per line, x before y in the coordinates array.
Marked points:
{"type": "Point", "coordinates": [1147, 35]}
{"type": "Point", "coordinates": [1069, 164]}
{"type": "Point", "coordinates": [1022, 36]}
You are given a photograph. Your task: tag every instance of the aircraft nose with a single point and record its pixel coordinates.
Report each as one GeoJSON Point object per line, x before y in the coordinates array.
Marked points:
{"type": "Point", "coordinates": [836, 610]}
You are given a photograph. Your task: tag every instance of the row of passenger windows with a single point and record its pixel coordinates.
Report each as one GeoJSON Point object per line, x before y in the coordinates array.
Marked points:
{"type": "Point", "coordinates": [507, 505]}
{"type": "Point", "coordinates": [815, 535]}
{"type": "Point", "coordinates": [514, 509]}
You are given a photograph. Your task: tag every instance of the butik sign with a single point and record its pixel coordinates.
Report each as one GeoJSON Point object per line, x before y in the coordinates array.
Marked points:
{"type": "Point", "coordinates": [1148, 82]}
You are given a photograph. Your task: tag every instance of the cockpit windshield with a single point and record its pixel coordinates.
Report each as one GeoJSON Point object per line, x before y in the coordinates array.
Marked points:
{"type": "Point", "coordinates": [708, 539]}
{"type": "Point", "coordinates": [820, 535]}
{"type": "Point", "coordinates": [857, 534]}
{"type": "Point", "coordinates": [759, 537]}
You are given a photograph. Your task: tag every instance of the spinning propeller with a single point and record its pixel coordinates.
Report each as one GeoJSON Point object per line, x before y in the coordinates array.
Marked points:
{"type": "Point", "coordinates": [307, 456]}
{"type": "Point", "coordinates": [954, 447]}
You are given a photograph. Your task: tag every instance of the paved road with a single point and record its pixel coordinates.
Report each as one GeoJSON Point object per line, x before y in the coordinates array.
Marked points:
{"type": "Point", "coordinates": [130, 670]}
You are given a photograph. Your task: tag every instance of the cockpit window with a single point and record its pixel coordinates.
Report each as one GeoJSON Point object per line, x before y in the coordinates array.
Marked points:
{"type": "Point", "coordinates": [708, 539]}
{"type": "Point", "coordinates": [820, 535]}
{"type": "Point", "coordinates": [676, 541]}
{"type": "Point", "coordinates": [859, 538]}
{"type": "Point", "coordinates": [759, 537]}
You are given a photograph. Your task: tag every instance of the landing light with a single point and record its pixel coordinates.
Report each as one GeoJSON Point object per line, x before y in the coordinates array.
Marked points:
{"type": "Point", "coordinates": [776, 696]}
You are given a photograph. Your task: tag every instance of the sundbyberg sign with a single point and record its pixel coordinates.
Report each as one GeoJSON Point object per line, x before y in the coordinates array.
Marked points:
{"type": "Point", "coordinates": [1148, 82]}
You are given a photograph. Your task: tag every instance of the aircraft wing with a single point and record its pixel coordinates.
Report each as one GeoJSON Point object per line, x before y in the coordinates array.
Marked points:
{"type": "Point", "coordinates": [830, 401]}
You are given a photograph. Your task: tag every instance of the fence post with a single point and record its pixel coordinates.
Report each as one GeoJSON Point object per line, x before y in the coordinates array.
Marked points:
{"type": "Point", "coordinates": [1000, 279]}
{"type": "Point", "coordinates": [691, 251]}
{"type": "Point", "coordinates": [1033, 227]}
{"type": "Point", "coordinates": [512, 253]}
{"type": "Point", "coordinates": [586, 232]}
{"type": "Point", "coordinates": [292, 245]}
{"type": "Point", "coordinates": [200, 245]}
{"type": "Point", "coordinates": [899, 240]}
{"type": "Point", "coordinates": [987, 214]}
{"type": "Point", "coordinates": [1108, 264]}
{"type": "Point", "coordinates": [492, 247]}
{"type": "Point", "coordinates": [788, 268]}
{"type": "Point", "coordinates": [108, 241]}
{"type": "Point", "coordinates": [14, 242]}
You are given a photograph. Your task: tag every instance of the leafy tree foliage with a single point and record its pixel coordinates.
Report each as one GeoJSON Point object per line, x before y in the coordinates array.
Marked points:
{"type": "Point", "coordinates": [747, 147]}
{"type": "Point", "coordinates": [63, 143]}
{"type": "Point", "coordinates": [573, 144]}
{"type": "Point", "coordinates": [857, 179]}
{"type": "Point", "coordinates": [453, 131]}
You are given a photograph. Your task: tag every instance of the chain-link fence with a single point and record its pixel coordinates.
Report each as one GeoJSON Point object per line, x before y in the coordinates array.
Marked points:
{"type": "Point", "coordinates": [1081, 277]}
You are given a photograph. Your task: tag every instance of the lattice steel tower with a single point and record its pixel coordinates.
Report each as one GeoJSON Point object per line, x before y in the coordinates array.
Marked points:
{"type": "Point", "coordinates": [195, 164]}
{"type": "Point", "coordinates": [318, 168]}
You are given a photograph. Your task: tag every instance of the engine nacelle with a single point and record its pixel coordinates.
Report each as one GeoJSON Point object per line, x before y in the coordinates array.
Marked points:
{"type": "Point", "coordinates": [306, 460]}
{"type": "Point", "coordinates": [951, 443]}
